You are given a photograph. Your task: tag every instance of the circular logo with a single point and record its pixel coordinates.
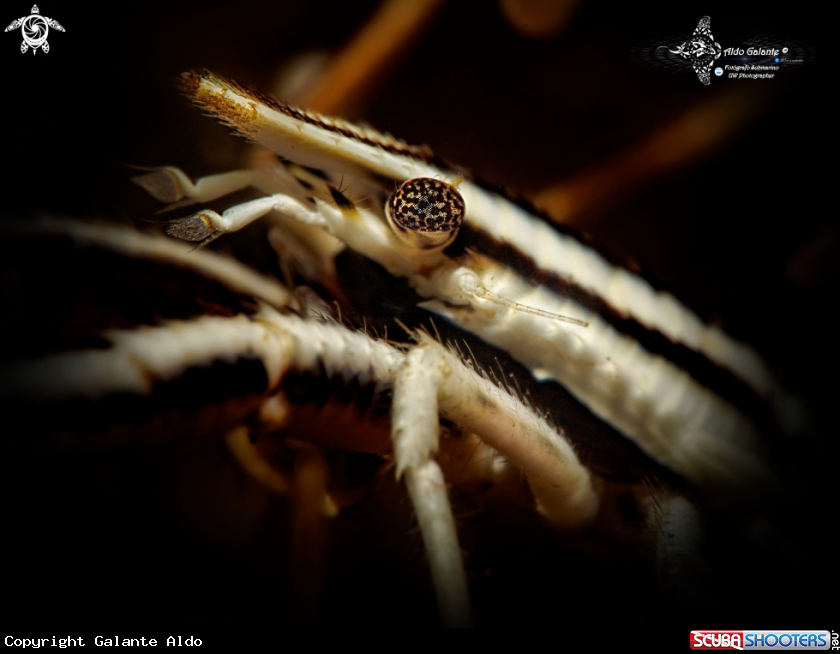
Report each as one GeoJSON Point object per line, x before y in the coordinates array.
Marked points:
{"type": "Point", "coordinates": [718, 71]}
{"type": "Point", "coordinates": [35, 30]}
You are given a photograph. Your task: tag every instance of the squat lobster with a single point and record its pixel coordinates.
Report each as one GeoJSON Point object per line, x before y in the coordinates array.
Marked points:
{"type": "Point", "coordinates": [645, 364]}
{"type": "Point", "coordinates": [523, 115]}
{"type": "Point", "coordinates": [686, 419]}
{"type": "Point", "coordinates": [564, 323]}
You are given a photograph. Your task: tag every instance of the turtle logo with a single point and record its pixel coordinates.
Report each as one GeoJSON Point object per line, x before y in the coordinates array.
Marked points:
{"type": "Point", "coordinates": [35, 28]}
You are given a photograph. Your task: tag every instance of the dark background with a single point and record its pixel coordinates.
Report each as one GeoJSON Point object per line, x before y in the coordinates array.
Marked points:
{"type": "Point", "coordinates": [519, 112]}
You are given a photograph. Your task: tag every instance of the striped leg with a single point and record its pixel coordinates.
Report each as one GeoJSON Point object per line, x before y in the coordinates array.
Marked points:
{"type": "Point", "coordinates": [415, 432]}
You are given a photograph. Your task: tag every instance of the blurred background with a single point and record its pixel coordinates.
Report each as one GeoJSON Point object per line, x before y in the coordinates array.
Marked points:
{"type": "Point", "coordinates": [719, 191]}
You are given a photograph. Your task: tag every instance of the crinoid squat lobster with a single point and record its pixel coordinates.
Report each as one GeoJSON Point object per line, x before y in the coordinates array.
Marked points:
{"type": "Point", "coordinates": [631, 355]}
{"type": "Point", "coordinates": [686, 392]}
{"type": "Point", "coordinates": [631, 359]}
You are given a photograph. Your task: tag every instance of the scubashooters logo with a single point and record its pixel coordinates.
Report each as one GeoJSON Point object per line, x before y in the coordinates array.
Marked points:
{"type": "Point", "coordinates": [35, 28]}
{"type": "Point", "coordinates": [760, 640]}
{"type": "Point", "coordinates": [759, 58]}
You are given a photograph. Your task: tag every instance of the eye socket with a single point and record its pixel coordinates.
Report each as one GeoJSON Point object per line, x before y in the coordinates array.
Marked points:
{"type": "Point", "coordinates": [426, 213]}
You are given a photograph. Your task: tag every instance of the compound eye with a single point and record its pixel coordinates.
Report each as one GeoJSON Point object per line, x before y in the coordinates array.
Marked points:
{"type": "Point", "coordinates": [426, 213]}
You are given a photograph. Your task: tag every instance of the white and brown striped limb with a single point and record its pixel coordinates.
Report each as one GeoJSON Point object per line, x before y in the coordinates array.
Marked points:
{"type": "Point", "coordinates": [429, 381]}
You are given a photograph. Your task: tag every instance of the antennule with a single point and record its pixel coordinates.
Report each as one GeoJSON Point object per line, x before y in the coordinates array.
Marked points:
{"type": "Point", "coordinates": [471, 284]}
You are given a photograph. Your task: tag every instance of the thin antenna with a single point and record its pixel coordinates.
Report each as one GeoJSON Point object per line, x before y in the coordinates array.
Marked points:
{"type": "Point", "coordinates": [470, 283]}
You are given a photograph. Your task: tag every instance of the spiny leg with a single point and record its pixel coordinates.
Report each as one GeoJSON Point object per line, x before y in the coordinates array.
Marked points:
{"type": "Point", "coordinates": [561, 486]}
{"type": "Point", "coordinates": [415, 432]}
{"type": "Point", "coordinates": [433, 377]}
